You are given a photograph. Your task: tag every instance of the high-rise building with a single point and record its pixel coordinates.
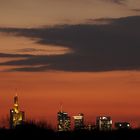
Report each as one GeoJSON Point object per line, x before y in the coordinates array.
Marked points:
{"type": "Point", "coordinates": [79, 121]}
{"type": "Point", "coordinates": [64, 121]}
{"type": "Point", "coordinates": [104, 123]}
{"type": "Point", "coordinates": [122, 125]}
{"type": "Point", "coordinates": [17, 117]}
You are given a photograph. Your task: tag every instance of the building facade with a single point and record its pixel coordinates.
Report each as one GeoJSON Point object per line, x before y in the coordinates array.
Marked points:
{"type": "Point", "coordinates": [79, 121]}
{"type": "Point", "coordinates": [17, 117]}
{"type": "Point", "coordinates": [64, 121]}
{"type": "Point", "coordinates": [103, 123]}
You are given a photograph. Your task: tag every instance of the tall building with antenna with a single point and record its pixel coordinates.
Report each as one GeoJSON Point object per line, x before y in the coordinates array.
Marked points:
{"type": "Point", "coordinates": [64, 122]}
{"type": "Point", "coordinates": [17, 117]}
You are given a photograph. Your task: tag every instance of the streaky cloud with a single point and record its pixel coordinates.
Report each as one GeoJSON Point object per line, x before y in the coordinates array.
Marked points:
{"type": "Point", "coordinates": [136, 10]}
{"type": "Point", "coordinates": [14, 55]}
{"type": "Point", "coordinates": [120, 2]}
{"type": "Point", "coordinates": [96, 47]}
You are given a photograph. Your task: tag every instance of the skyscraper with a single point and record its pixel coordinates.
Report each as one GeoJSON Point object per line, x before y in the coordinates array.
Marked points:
{"type": "Point", "coordinates": [64, 122]}
{"type": "Point", "coordinates": [79, 122]}
{"type": "Point", "coordinates": [104, 123]}
{"type": "Point", "coordinates": [17, 117]}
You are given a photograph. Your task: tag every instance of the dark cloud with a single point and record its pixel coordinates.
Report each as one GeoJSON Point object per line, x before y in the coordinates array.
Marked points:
{"type": "Point", "coordinates": [100, 21]}
{"type": "Point", "coordinates": [103, 47]}
{"type": "Point", "coordinates": [2, 55]}
{"type": "Point", "coordinates": [116, 1]}
{"type": "Point", "coordinates": [136, 10]}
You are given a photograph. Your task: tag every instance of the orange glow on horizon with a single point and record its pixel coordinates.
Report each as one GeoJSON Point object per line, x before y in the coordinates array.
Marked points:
{"type": "Point", "coordinates": [104, 93]}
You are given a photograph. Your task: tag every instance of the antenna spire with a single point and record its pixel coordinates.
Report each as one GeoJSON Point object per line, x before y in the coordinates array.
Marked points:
{"type": "Point", "coordinates": [16, 106]}
{"type": "Point", "coordinates": [16, 91]}
{"type": "Point", "coordinates": [61, 107]}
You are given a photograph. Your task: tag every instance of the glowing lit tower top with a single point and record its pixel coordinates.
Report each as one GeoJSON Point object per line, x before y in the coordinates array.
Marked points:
{"type": "Point", "coordinates": [16, 106]}
{"type": "Point", "coordinates": [17, 117]}
{"type": "Point", "coordinates": [16, 99]}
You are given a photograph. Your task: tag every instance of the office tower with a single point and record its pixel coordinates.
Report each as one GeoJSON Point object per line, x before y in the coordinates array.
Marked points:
{"type": "Point", "coordinates": [122, 125]}
{"type": "Point", "coordinates": [17, 117]}
{"type": "Point", "coordinates": [64, 122]}
{"type": "Point", "coordinates": [104, 123]}
{"type": "Point", "coordinates": [79, 122]}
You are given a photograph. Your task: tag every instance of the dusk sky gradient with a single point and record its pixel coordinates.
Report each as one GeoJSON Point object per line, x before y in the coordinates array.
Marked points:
{"type": "Point", "coordinates": [83, 53]}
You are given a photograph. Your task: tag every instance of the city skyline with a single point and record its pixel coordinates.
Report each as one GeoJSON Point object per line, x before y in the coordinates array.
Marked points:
{"type": "Point", "coordinates": [83, 53]}
{"type": "Point", "coordinates": [65, 122]}
{"type": "Point", "coordinates": [49, 103]}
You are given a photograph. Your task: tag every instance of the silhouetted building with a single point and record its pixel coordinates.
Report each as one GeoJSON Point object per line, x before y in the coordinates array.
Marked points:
{"type": "Point", "coordinates": [104, 123]}
{"type": "Point", "coordinates": [17, 117]}
{"type": "Point", "coordinates": [79, 121]}
{"type": "Point", "coordinates": [90, 127]}
{"type": "Point", "coordinates": [64, 122]}
{"type": "Point", "coordinates": [122, 125]}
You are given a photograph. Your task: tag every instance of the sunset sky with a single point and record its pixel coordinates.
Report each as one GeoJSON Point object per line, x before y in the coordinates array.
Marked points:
{"type": "Point", "coordinates": [82, 53]}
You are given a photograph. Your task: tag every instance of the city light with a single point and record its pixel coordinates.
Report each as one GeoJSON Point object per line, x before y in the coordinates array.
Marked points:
{"type": "Point", "coordinates": [103, 123]}
{"type": "Point", "coordinates": [17, 117]}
